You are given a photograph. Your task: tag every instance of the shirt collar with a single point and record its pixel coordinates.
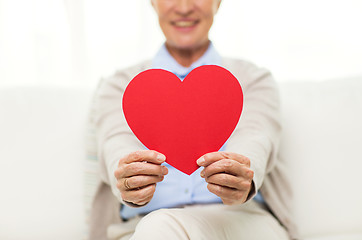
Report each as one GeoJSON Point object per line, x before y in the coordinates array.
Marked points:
{"type": "Point", "coordinates": [164, 60]}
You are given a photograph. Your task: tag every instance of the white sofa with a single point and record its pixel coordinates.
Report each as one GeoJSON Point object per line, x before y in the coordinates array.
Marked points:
{"type": "Point", "coordinates": [42, 169]}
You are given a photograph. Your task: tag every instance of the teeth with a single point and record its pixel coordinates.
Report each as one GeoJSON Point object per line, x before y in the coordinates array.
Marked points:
{"type": "Point", "coordinates": [184, 23]}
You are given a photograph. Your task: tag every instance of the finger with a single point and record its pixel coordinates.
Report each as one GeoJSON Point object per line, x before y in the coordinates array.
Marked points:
{"type": "Point", "coordinates": [222, 166]}
{"type": "Point", "coordinates": [146, 155]}
{"type": "Point", "coordinates": [226, 180]}
{"type": "Point", "coordinates": [139, 196]}
{"type": "Point", "coordinates": [139, 182]}
{"type": "Point", "coordinates": [228, 166]}
{"type": "Point", "coordinates": [140, 168]}
{"type": "Point", "coordinates": [210, 158]}
{"type": "Point", "coordinates": [144, 200]}
{"type": "Point", "coordinates": [228, 194]}
{"type": "Point", "coordinates": [227, 201]}
{"type": "Point", "coordinates": [140, 200]}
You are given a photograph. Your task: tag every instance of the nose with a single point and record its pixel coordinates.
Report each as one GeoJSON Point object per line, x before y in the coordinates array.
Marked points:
{"type": "Point", "coordinates": [184, 7]}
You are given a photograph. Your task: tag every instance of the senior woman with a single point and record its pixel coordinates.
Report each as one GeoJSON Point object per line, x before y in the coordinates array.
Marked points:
{"type": "Point", "coordinates": [142, 197]}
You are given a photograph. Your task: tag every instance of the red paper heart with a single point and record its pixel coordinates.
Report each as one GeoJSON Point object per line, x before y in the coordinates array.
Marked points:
{"type": "Point", "coordinates": [183, 119]}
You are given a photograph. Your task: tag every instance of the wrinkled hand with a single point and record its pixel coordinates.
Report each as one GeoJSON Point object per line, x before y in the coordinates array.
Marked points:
{"type": "Point", "coordinates": [228, 176]}
{"type": "Point", "coordinates": [137, 175]}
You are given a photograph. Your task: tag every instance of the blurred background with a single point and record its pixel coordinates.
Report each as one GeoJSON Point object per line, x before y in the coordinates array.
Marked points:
{"type": "Point", "coordinates": [76, 42]}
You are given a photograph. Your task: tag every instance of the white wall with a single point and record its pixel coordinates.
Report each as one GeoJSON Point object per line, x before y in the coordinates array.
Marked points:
{"type": "Point", "coordinates": [309, 39]}
{"type": "Point", "coordinates": [78, 41]}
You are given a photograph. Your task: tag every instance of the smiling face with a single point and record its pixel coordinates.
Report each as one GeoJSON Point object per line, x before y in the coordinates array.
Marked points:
{"type": "Point", "coordinates": [186, 23]}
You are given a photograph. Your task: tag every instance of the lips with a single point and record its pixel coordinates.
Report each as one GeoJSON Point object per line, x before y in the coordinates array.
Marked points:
{"type": "Point", "coordinates": [185, 23]}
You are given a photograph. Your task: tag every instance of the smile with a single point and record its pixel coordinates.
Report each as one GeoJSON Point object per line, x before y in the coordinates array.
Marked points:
{"type": "Point", "coordinates": [185, 23]}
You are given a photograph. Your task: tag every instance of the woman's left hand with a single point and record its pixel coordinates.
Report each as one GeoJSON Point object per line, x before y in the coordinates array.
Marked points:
{"type": "Point", "coordinates": [228, 176]}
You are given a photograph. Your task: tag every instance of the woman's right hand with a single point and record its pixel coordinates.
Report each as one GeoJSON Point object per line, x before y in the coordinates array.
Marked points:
{"type": "Point", "coordinates": [137, 175]}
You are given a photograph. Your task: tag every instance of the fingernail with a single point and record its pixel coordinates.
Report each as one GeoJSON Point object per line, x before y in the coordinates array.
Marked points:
{"type": "Point", "coordinates": [164, 170]}
{"type": "Point", "coordinates": [200, 161]}
{"type": "Point", "coordinates": [250, 174]}
{"type": "Point", "coordinates": [161, 157]}
{"type": "Point", "coordinates": [202, 173]}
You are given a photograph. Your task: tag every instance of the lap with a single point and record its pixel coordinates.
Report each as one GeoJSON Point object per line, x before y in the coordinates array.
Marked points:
{"type": "Point", "coordinates": [249, 221]}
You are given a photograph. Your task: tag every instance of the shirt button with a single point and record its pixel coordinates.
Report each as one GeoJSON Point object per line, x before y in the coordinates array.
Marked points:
{"type": "Point", "coordinates": [186, 190]}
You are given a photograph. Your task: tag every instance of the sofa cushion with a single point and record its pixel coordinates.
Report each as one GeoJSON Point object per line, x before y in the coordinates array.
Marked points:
{"type": "Point", "coordinates": [41, 166]}
{"type": "Point", "coordinates": [338, 237]}
{"type": "Point", "coordinates": [322, 141]}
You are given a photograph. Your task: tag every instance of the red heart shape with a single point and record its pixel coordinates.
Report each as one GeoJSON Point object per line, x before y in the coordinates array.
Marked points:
{"type": "Point", "coordinates": [183, 119]}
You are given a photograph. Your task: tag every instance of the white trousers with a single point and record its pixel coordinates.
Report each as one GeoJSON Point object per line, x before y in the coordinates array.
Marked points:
{"type": "Point", "coordinates": [249, 221]}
